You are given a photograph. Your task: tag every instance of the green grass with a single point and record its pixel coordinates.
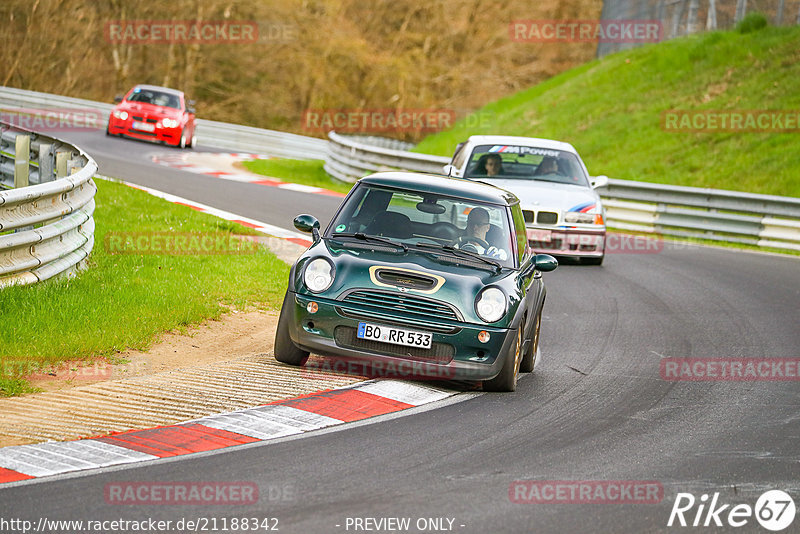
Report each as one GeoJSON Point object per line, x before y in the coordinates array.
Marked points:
{"type": "Point", "coordinates": [306, 172]}
{"type": "Point", "coordinates": [611, 111]}
{"type": "Point", "coordinates": [126, 301]}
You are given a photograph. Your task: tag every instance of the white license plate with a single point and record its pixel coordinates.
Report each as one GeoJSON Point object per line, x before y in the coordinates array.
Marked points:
{"type": "Point", "coordinates": [395, 336]}
{"type": "Point", "coordinates": [540, 235]}
{"type": "Point", "coordinates": [143, 126]}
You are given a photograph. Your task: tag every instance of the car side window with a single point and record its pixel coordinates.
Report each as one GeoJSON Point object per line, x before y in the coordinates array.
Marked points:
{"type": "Point", "coordinates": [522, 235]}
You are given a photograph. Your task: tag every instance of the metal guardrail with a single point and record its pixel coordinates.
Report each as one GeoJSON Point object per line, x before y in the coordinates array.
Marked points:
{"type": "Point", "coordinates": [46, 229]}
{"type": "Point", "coordinates": [218, 134]}
{"type": "Point", "coordinates": [713, 214]}
{"type": "Point", "coordinates": [351, 157]}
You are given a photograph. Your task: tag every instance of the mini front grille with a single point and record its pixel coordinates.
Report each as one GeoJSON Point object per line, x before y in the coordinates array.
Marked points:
{"type": "Point", "coordinates": [345, 336]}
{"type": "Point", "coordinates": [413, 322]}
{"type": "Point", "coordinates": [547, 217]}
{"type": "Point", "coordinates": [402, 304]}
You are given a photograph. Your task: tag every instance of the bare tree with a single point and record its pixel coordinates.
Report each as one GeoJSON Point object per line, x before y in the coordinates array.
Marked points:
{"type": "Point", "coordinates": [741, 9]}
{"type": "Point", "coordinates": [677, 15]}
{"type": "Point", "coordinates": [711, 18]}
{"type": "Point", "coordinates": [691, 22]}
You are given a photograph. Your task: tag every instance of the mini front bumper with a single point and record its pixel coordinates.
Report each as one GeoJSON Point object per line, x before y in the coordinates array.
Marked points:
{"type": "Point", "coordinates": [456, 353]}
{"type": "Point", "coordinates": [573, 241]}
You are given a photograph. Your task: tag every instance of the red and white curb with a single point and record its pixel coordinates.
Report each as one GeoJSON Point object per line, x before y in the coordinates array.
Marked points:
{"type": "Point", "coordinates": [293, 237]}
{"type": "Point", "coordinates": [213, 164]}
{"type": "Point", "coordinates": [288, 417]}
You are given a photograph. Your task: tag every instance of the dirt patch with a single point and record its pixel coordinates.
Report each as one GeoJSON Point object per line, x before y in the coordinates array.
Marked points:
{"type": "Point", "coordinates": [236, 334]}
{"type": "Point", "coordinates": [220, 366]}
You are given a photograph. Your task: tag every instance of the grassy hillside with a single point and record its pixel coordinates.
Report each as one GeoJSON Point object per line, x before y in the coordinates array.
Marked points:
{"type": "Point", "coordinates": [611, 111]}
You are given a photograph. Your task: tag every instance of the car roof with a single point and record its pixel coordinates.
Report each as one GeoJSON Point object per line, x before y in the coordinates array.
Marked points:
{"type": "Point", "coordinates": [159, 88]}
{"type": "Point", "coordinates": [522, 141]}
{"type": "Point", "coordinates": [443, 185]}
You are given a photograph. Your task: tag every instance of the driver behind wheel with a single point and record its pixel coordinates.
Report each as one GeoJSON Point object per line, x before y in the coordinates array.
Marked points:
{"type": "Point", "coordinates": [474, 238]}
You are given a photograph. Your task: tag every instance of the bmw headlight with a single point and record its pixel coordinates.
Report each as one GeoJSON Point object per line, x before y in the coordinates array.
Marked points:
{"type": "Point", "coordinates": [169, 123]}
{"type": "Point", "coordinates": [579, 217]}
{"type": "Point", "coordinates": [491, 304]}
{"type": "Point", "coordinates": [121, 114]}
{"type": "Point", "coordinates": [318, 275]}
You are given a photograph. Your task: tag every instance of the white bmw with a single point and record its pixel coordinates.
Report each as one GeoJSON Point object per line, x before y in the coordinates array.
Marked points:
{"type": "Point", "coordinates": [564, 215]}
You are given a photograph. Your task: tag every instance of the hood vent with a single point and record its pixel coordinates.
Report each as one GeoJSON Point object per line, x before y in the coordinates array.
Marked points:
{"type": "Point", "coordinates": [406, 279]}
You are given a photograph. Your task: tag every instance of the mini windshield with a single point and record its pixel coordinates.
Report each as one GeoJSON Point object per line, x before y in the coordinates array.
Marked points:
{"type": "Point", "coordinates": [157, 98]}
{"type": "Point", "coordinates": [525, 163]}
{"type": "Point", "coordinates": [416, 218]}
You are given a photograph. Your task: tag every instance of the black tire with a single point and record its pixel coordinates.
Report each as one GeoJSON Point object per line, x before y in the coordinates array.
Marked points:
{"type": "Point", "coordinates": [507, 379]}
{"type": "Point", "coordinates": [529, 358]}
{"type": "Point", "coordinates": [182, 142]}
{"type": "Point", "coordinates": [285, 349]}
{"type": "Point", "coordinates": [593, 261]}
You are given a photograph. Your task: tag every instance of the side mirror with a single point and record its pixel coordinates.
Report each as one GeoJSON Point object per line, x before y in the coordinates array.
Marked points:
{"type": "Point", "coordinates": [190, 106]}
{"type": "Point", "coordinates": [308, 224]}
{"type": "Point", "coordinates": [598, 181]}
{"type": "Point", "coordinates": [545, 263]}
{"type": "Point", "coordinates": [448, 169]}
{"type": "Point", "coordinates": [118, 99]}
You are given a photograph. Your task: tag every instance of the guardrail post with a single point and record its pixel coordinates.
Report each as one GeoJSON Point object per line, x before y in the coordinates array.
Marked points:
{"type": "Point", "coordinates": [61, 163]}
{"type": "Point", "coordinates": [73, 166]}
{"type": "Point", "coordinates": [22, 156]}
{"type": "Point", "coordinates": [45, 163]}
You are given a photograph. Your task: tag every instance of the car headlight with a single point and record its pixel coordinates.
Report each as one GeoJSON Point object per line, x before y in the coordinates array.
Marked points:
{"type": "Point", "coordinates": [318, 275]}
{"type": "Point", "coordinates": [579, 217]}
{"type": "Point", "coordinates": [491, 304]}
{"type": "Point", "coordinates": [169, 123]}
{"type": "Point", "coordinates": [121, 114]}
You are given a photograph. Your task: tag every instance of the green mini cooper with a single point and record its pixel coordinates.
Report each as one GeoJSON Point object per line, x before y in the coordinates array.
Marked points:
{"type": "Point", "coordinates": [419, 276]}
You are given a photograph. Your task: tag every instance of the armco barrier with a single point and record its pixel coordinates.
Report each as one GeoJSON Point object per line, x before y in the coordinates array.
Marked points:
{"type": "Point", "coordinates": [46, 228]}
{"type": "Point", "coordinates": [218, 134]}
{"type": "Point", "coordinates": [351, 157]}
{"type": "Point", "coordinates": [713, 214]}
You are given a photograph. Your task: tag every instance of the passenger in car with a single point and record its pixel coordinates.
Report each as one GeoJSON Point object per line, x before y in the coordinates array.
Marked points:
{"type": "Point", "coordinates": [548, 165]}
{"type": "Point", "coordinates": [489, 165]}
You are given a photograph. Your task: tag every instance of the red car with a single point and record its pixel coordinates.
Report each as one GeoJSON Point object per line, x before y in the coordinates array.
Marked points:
{"type": "Point", "coordinates": [153, 113]}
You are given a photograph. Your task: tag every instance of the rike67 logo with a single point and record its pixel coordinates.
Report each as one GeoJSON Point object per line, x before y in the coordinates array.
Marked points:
{"type": "Point", "coordinates": [774, 510]}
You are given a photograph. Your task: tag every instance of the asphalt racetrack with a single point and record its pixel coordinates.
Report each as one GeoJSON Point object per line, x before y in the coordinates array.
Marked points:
{"type": "Point", "coordinates": [596, 409]}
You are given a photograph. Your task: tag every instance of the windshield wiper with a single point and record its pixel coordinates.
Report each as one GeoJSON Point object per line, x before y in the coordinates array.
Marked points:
{"type": "Point", "coordinates": [364, 237]}
{"type": "Point", "coordinates": [462, 253]}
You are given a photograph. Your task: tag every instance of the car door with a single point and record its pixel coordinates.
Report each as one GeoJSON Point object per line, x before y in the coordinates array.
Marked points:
{"type": "Point", "coordinates": [529, 281]}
